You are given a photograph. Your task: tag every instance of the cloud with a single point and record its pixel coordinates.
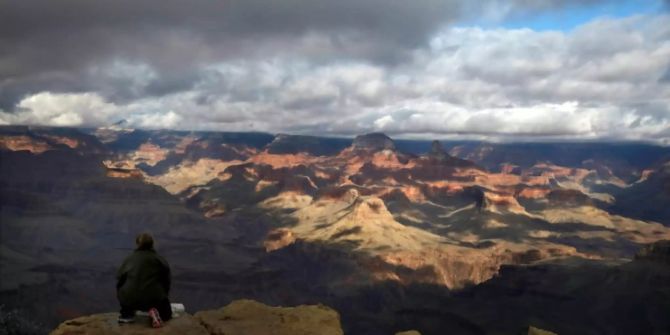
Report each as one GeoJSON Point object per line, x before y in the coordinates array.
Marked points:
{"type": "Point", "coordinates": [338, 67]}
{"type": "Point", "coordinates": [158, 120]}
{"type": "Point", "coordinates": [61, 46]}
{"type": "Point", "coordinates": [87, 110]}
{"type": "Point", "coordinates": [665, 78]}
{"type": "Point", "coordinates": [40, 50]}
{"type": "Point", "coordinates": [383, 122]}
{"type": "Point", "coordinates": [61, 110]}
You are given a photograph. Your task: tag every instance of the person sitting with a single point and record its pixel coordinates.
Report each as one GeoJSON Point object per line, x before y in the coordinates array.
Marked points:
{"type": "Point", "coordinates": [143, 283]}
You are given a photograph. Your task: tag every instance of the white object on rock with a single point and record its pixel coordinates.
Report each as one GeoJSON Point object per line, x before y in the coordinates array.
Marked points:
{"type": "Point", "coordinates": [177, 309]}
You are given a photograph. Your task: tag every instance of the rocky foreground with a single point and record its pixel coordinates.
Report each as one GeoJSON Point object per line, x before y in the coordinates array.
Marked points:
{"type": "Point", "coordinates": [241, 317]}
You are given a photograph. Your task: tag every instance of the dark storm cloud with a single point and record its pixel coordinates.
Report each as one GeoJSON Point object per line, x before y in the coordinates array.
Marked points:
{"type": "Point", "coordinates": [46, 39]}
{"type": "Point", "coordinates": [403, 19]}
{"type": "Point", "coordinates": [48, 45]}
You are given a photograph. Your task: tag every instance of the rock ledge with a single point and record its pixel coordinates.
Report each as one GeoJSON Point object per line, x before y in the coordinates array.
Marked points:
{"type": "Point", "coordinates": [240, 317]}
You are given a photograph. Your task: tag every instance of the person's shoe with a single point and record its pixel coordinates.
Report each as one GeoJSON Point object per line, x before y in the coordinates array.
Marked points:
{"type": "Point", "coordinates": [156, 320]}
{"type": "Point", "coordinates": [126, 319]}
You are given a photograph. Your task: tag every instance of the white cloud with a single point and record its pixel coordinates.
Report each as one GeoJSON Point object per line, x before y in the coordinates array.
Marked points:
{"type": "Point", "coordinates": [86, 109]}
{"type": "Point", "coordinates": [81, 109]}
{"type": "Point", "coordinates": [383, 122]}
{"type": "Point", "coordinates": [155, 120]}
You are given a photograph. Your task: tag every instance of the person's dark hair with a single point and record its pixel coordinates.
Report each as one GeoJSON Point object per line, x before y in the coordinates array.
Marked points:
{"type": "Point", "coordinates": [144, 241]}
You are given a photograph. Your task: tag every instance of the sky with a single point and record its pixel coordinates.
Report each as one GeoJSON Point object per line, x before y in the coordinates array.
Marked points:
{"type": "Point", "coordinates": [491, 69]}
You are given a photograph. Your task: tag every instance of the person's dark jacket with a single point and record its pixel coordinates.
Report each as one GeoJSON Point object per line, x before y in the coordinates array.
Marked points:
{"type": "Point", "coordinates": [143, 280]}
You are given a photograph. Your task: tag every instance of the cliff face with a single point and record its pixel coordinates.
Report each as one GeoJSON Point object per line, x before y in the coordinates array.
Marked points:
{"type": "Point", "coordinates": [246, 317]}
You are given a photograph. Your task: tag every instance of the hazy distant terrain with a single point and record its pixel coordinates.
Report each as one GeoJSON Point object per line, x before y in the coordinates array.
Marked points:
{"type": "Point", "coordinates": [458, 237]}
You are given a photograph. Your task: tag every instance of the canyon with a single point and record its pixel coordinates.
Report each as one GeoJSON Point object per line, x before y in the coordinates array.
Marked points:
{"type": "Point", "coordinates": [458, 237]}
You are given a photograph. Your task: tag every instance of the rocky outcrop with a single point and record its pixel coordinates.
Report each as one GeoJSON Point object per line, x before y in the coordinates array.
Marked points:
{"type": "Point", "coordinates": [373, 142]}
{"type": "Point", "coordinates": [437, 151]}
{"type": "Point", "coordinates": [246, 317]}
{"type": "Point", "coordinates": [106, 324]}
{"type": "Point", "coordinates": [438, 155]}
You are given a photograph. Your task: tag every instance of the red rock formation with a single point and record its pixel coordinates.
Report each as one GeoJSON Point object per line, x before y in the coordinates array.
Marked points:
{"type": "Point", "coordinates": [281, 161]}
{"type": "Point", "coordinates": [18, 143]}
{"type": "Point", "coordinates": [533, 193]}
{"type": "Point", "coordinates": [70, 142]}
{"type": "Point", "coordinates": [150, 154]}
{"type": "Point", "coordinates": [124, 173]}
